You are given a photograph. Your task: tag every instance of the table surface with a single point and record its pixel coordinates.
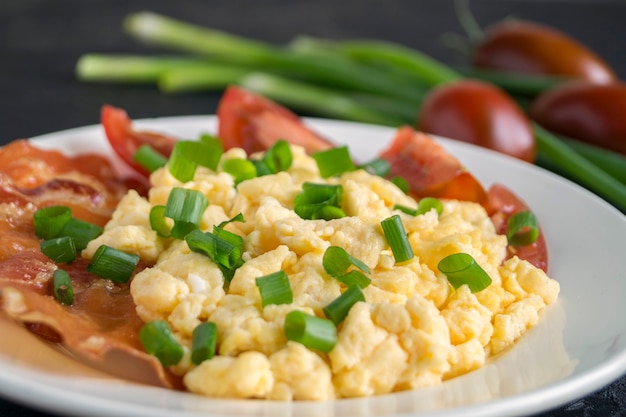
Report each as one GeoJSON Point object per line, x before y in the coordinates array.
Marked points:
{"type": "Point", "coordinates": [41, 40]}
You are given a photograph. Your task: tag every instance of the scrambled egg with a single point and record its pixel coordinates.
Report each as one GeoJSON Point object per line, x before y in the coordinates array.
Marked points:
{"type": "Point", "coordinates": [414, 330]}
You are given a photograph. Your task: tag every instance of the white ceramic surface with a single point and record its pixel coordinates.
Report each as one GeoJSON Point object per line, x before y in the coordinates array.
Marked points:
{"type": "Point", "coordinates": [578, 346]}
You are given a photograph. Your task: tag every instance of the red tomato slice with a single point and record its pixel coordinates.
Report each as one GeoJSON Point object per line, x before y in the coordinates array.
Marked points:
{"type": "Point", "coordinates": [429, 168]}
{"type": "Point", "coordinates": [125, 140]}
{"type": "Point", "coordinates": [502, 203]}
{"type": "Point", "coordinates": [254, 123]}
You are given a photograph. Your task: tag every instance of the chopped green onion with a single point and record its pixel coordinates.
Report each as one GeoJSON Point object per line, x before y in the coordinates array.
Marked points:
{"type": "Point", "coordinates": [149, 158]}
{"type": "Point", "coordinates": [275, 288]}
{"type": "Point", "coordinates": [60, 249]}
{"type": "Point", "coordinates": [240, 169]}
{"type": "Point", "coordinates": [203, 342]}
{"type": "Point", "coordinates": [378, 166]}
{"type": "Point", "coordinates": [62, 287]}
{"type": "Point", "coordinates": [222, 247]}
{"type": "Point", "coordinates": [81, 232]}
{"type": "Point", "coordinates": [461, 268]}
{"type": "Point", "coordinates": [401, 183]}
{"type": "Point", "coordinates": [158, 221]}
{"type": "Point", "coordinates": [211, 140]}
{"type": "Point", "coordinates": [333, 161]}
{"type": "Point", "coordinates": [237, 218]}
{"type": "Point", "coordinates": [311, 331]}
{"type": "Point", "coordinates": [158, 340]}
{"type": "Point", "coordinates": [278, 157]}
{"type": "Point", "coordinates": [113, 264]}
{"type": "Point", "coordinates": [397, 238]}
{"type": "Point", "coordinates": [336, 262]}
{"type": "Point", "coordinates": [338, 309]}
{"type": "Point", "coordinates": [426, 204]}
{"type": "Point", "coordinates": [313, 198]}
{"type": "Point", "coordinates": [522, 229]}
{"type": "Point", "coordinates": [354, 277]}
{"type": "Point", "coordinates": [50, 220]}
{"type": "Point", "coordinates": [188, 155]}
{"type": "Point", "coordinates": [328, 213]}
{"type": "Point", "coordinates": [185, 207]}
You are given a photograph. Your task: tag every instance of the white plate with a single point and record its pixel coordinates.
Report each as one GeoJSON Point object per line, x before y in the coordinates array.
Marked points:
{"type": "Point", "coordinates": [578, 347]}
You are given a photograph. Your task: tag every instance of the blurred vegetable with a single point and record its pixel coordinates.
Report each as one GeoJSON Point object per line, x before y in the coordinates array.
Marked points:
{"type": "Point", "coordinates": [593, 113]}
{"type": "Point", "coordinates": [476, 112]}
{"type": "Point", "coordinates": [533, 48]}
{"type": "Point", "coordinates": [364, 80]}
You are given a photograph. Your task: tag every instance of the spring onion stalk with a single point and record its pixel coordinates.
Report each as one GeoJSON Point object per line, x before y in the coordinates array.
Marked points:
{"type": "Point", "coordinates": [462, 269]}
{"type": "Point", "coordinates": [62, 287]}
{"type": "Point", "coordinates": [274, 288]}
{"type": "Point", "coordinates": [203, 342]}
{"type": "Point", "coordinates": [49, 221]}
{"type": "Point", "coordinates": [522, 84]}
{"type": "Point", "coordinates": [326, 101]}
{"type": "Point", "coordinates": [200, 77]}
{"type": "Point", "coordinates": [113, 264]}
{"type": "Point", "coordinates": [185, 206]}
{"type": "Point", "coordinates": [137, 69]}
{"type": "Point", "coordinates": [61, 250]}
{"type": "Point", "coordinates": [81, 232]}
{"type": "Point", "coordinates": [609, 161]}
{"type": "Point", "coordinates": [522, 229]}
{"type": "Point", "coordinates": [562, 157]}
{"type": "Point", "coordinates": [158, 340]}
{"type": "Point", "coordinates": [416, 64]}
{"type": "Point", "coordinates": [397, 238]}
{"type": "Point", "coordinates": [311, 331]}
{"type": "Point", "coordinates": [334, 71]}
{"type": "Point", "coordinates": [333, 161]}
{"type": "Point", "coordinates": [149, 158]}
{"type": "Point", "coordinates": [339, 308]}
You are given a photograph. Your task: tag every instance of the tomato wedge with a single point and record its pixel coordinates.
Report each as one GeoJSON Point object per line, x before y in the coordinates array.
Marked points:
{"type": "Point", "coordinates": [429, 168]}
{"type": "Point", "coordinates": [125, 140]}
{"type": "Point", "coordinates": [254, 123]}
{"type": "Point", "coordinates": [502, 204]}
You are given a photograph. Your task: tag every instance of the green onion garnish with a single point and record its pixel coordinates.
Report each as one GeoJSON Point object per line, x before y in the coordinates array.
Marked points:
{"type": "Point", "coordinates": [397, 238]}
{"type": "Point", "coordinates": [158, 221]}
{"type": "Point", "coordinates": [275, 288]}
{"type": "Point", "coordinates": [312, 202]}
{"type": "Point", "coordinates": [261, 168]}
{"type": "Point", "coordinates": [313, 332]}
{"type": "Point", "coordinates": [81, 232]}
{"type": "Point", "coordinates": [278, 157]}
{"type": "Point", "coordinates": [461, 268]}
{"type": "Point", "coordinates": [224, 248]}
{"type": "Point", "coordinates": [354, 277]}
{"type": "Point", "coordinates": [378, 166]}
{"type": "Point", "coordinates": [188, 155]}
{"type": "Point", "coordinates": [338, 309]}
{"type": "Point", "coordinates": [425, 205]}
{"type": "Point", "coordinates": [185, 207]}
{"type": "Point", "coordinates": [336, 262]}
{"type": "Point", "coordinates": [203, 342]}
{"type": "Point", "coordinates": [333, 161]}
{"type": "Point", "coordinates": [62, 287]}
{"type": "Point", "coordinates": [240, 169]}
{"type": "Point", "coordinates": [522, 229]}
{"type": "Point", "coordinates": [49, 221]}
{"type": "Point", "coordinates": [158, 340]}
{"type": "Point", "coordinates": [401, 183]}
{"type": "Point", "coordinates": [60, 249]}
{"type": "Point", "coordinates": [149, 158]}
{"type": "Point", "coordinates": [236, 218]}
{"type": "Point", "coordinates": [113, 264]}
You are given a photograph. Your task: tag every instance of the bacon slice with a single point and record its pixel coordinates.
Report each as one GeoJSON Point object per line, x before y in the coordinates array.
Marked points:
{"type": "Point", "coordinates": [102, 325]}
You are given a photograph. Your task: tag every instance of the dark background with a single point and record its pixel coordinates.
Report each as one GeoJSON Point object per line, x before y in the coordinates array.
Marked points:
{"type": "Point", "coordinates": [40, 41]}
